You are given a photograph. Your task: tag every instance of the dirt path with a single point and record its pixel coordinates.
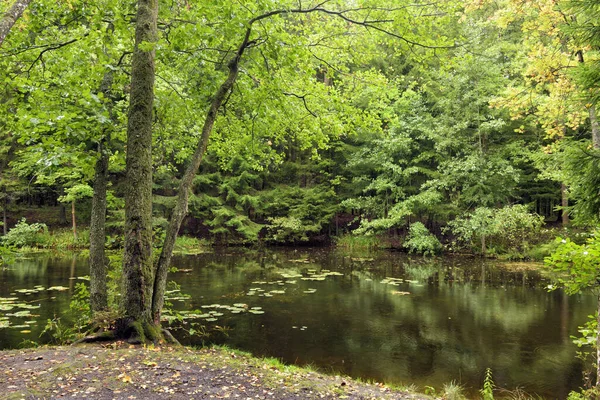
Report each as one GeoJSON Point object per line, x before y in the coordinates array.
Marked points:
{"type": "Point", "coordinates": [118, 371]}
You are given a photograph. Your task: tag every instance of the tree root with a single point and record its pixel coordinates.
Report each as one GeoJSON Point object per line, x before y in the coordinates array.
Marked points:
{"type": "Point", "coordinates": [133, 332]}
{"type": "Point", "coordinates": [169, 338]}
{"type": "Point", "coordinates": [102, 336]}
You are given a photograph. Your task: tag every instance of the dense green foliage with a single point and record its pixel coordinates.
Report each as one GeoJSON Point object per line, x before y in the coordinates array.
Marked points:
{"type": "Point", "coordinates": [327, 131]}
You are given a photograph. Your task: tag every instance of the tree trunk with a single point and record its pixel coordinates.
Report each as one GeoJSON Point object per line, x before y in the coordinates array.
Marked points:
{"type": "Point", "coordinates": [595, 129]}
{"type": "Point", "coordinates": [10, 17]}
{"type": "Point", "coordinates": [564, 204]}
{"type": "Point", "coordinates": [73, 220]}
{"type": "Point", "coordinates": [593, 116]}
{"type": "Point", "coordinates": [137, 258]}
{"type": "Point", "coordinates": [483, 248]}
{"type": "Point", "coordinates": [181, 206]}
{"type": "Point", "coordinates": [98, 295]}
{"type": "Point", "coordinates": [4, 222]}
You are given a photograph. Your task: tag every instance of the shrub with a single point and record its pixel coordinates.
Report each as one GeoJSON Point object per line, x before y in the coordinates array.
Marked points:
{"type": "Point", "coordinates": [421, 241]}
{"type": "Point", "coordinates": [24, 234]}
{"type": "Point", "coordinates": [505, 229]}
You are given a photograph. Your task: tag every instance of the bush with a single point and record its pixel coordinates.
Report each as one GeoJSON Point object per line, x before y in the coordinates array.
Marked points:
{"type": "Point", "coordinates": [506, 229]}
{"type": "Point", "coordinates": [24, 234]}
{"type": "Point", "coordinates": [421, 241]}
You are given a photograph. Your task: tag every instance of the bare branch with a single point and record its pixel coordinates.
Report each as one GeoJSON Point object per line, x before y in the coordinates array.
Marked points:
{"type": "Point", "coordinates": [303, 98]}
{"type": "Point", "coordinates": [50, 48]}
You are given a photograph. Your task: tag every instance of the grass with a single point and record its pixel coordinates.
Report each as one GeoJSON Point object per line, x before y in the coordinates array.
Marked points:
{"type": "Point", "coordinates": [351, 242]}
{"type": "Point", "coordinates": [453, 391]}
{"type": "Point", "coordinates": [191, 245]}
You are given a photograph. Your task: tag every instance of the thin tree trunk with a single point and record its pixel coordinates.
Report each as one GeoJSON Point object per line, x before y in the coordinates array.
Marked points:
{"type": "Point", "coordinates": [564, 204]}
{"type": "Point", "coordinates": [97, 263]}
{"type": "Point", "coordinates": [595, 129]}
{"type": "Point", "coordinates": [73, 220]}
{"type": "Point", "coordinates": [136, 299]}
{"type": "Point", "coordinates": [593, 116]}
{"type": "Point", "coordinates": [4, 222]}
{"type": "Point", "coordinates": [483, 249]}
{"type": "Point", "coordinates": [10, 17]}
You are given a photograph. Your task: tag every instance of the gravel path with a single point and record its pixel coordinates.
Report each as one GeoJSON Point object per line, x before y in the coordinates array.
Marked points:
{"type": "Point", "coordinates": [120, 371]}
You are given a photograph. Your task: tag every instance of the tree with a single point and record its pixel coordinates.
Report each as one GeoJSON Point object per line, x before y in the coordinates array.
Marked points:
{"type": "Point", "coordinates": [138, 273]}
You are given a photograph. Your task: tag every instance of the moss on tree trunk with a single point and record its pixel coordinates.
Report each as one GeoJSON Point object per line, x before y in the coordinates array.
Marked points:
{"type": "Point", "coordinates": [138, 274]}
{"type": "Point", "coordinates": [98, 296]}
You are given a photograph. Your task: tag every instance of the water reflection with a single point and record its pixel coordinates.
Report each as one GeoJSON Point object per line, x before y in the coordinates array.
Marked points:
{"type": "Point", "coordinates": [383, 316]}
{"type": "Point", "coordinates": [461, 316]}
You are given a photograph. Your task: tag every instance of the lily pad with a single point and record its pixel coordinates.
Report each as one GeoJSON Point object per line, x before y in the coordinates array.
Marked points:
{"type": "Point", "coordinates": [28, 306]}
{"type": "Point", "coordinates": [58, 288]}
{"type": "Point", "coordinates": [256, 312]}
{"type": "Point", "coordinates": [19, 314]}
{"type": "Point", "coordinates": [216, 314]}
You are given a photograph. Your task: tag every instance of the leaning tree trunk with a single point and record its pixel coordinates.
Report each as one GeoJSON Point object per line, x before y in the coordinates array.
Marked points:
{"type": "Point", "coordinates": [10, 17]}
{"type": "Point", "coordinates": [136, 299]}
{"type": "Point", "coordinates": [181, 207]}
{"type": "Point", "coordinates": [98, 294]}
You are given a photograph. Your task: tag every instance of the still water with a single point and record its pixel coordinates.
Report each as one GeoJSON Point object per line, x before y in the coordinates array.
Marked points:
{"type": "Point", "coordinates": [381, 316]}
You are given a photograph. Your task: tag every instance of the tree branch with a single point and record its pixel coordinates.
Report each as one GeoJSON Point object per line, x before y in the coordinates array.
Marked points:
{"type": "Point", "coordinates": [50, 48]}
{"type": "Point", "coordinates": [303, 98]}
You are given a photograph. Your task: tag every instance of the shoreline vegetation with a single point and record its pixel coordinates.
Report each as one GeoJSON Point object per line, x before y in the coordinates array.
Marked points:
{"type": "Point", "coordinates": [33, 237]}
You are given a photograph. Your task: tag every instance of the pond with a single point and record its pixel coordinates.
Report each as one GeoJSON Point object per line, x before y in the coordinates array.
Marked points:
{"type": "Point", "coordinates": [381, 316]}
